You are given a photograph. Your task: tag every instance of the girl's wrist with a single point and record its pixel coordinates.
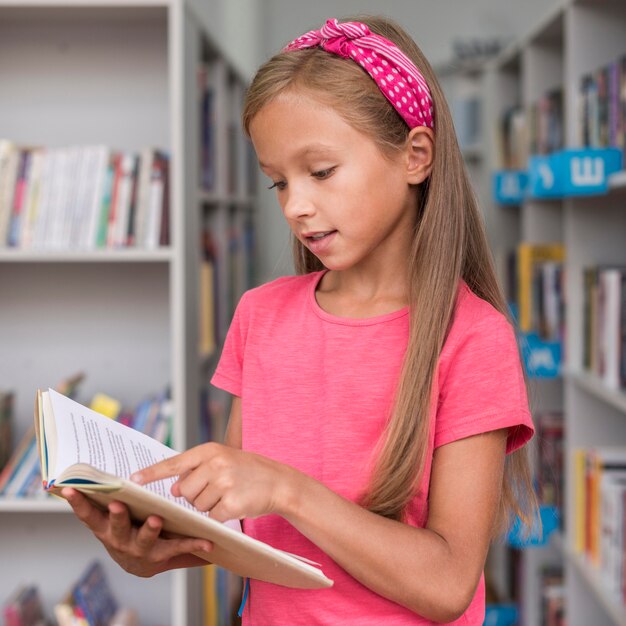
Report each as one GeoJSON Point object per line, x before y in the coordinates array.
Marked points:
{"type": "Point", "coordinates": [290, 492]}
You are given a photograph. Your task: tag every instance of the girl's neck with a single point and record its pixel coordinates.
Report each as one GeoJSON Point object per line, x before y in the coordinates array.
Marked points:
{"type": "Point", "coordinates": [360, 295]}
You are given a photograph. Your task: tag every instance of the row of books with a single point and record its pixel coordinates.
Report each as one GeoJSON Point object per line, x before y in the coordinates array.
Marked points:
{"type": "Point", "coordinates": [604, 324]}
{"type": "Point", "coordinates": [240, 159]}
{"type": "Point", "coordinates": [539, 129]}
{"type": "Point", "coordinates": [600, 505]}
{"type": "Point", "coordinates": [550, 458]}
{"type": "Point", "coordinates": [83, 197]}
{"type": "Point", "coordinates": [89, 602]}
{"type": "Point", "coordinates": [21, 476]}
{"type": "Point", "coordinates": [238, 252]}
{"type": "Point", "coordinates": [546, 133]}
{"type": "Point", "coordinates": [221, 596]}
{"type": "Point", "coordinates": [602, 106]}
{"type": "Point", "coordinates": [536, 283]}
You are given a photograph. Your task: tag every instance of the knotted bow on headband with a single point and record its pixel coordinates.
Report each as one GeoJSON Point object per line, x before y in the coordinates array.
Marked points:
{"type": "Point", "coordinates": [394, 73]}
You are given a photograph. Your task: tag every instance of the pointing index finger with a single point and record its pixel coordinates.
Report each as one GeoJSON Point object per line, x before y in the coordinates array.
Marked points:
{"type": "Point", "coordinates": [173, 466]}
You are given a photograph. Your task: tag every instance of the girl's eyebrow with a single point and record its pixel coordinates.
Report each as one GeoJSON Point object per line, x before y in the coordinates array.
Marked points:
{"type": "Point", "coordinates": [313, 148]}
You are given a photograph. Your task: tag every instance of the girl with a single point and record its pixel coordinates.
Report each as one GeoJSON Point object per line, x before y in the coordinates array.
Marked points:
{"type": "Point", "coordinates": [377, 393]}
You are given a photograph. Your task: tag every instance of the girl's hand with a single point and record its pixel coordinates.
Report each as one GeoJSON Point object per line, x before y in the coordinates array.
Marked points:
{"type": "Point", "coordinates": [141, 551]}
{"type": "Point", "coordinates": [228, 482]}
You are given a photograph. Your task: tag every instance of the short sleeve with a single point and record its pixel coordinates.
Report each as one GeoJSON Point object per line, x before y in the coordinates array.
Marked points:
{"type": "Point", "coordinates": [229, 370]}
{"type": "Point", "coordinates": [481, 385]}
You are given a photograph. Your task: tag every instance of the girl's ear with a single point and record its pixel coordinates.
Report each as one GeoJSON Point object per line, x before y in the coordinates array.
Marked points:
{"type": "Point", "coordinates": [420, 147]}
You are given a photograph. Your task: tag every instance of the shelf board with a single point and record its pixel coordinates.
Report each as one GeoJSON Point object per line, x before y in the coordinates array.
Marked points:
{"type": "Point", "coordinates": [611, 605]}
{"type": "Point", "coordinates": [594, 385]}
{"type": "Point", "coordinates": [61, 4]}
{"type": "Point", "coordinates": [161, 255]}
{"type": "Point", "coordinates": [34, 505]}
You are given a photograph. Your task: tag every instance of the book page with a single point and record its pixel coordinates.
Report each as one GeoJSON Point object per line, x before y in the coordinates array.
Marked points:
{"type": "Point", "coordinates": [85, 436]}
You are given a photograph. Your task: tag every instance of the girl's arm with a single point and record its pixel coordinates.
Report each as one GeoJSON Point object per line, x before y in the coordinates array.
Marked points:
{"type": "Point", "coordinates": [143, 551]}
{"type": "Point", "coordinates": [433, 571]}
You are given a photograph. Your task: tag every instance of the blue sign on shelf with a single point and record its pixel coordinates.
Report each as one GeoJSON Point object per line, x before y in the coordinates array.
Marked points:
{"type": "Point", "coordinates": [541, 358]}
{"type": "Point", "coordinates": [544, 177]}
{"type": "Point", "coordinates": [500, 615]}
{"type": "Point", "coordinates": [539, 534]}
{"type": "Point", "coordinates": [573, 172]}
{"type": "Point", "coordinates": [586, 172]}
{"type": "Point", "coordinates": [509, 186]}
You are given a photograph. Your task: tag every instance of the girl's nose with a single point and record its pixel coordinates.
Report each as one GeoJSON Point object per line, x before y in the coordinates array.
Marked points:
{"type": "Point", "coordinates": [297, 205]}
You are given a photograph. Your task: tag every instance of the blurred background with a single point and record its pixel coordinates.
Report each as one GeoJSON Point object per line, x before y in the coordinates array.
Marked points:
{"type": "Point", "coordinates": [133, 216]}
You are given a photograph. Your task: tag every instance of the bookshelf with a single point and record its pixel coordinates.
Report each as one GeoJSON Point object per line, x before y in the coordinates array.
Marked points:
{"type": "Point", "coordinates": [577, 38]}
{"type": "Point", "coordinates": [76, 72]}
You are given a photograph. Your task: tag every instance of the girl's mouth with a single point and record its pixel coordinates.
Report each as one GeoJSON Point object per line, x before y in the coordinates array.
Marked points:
{"type": "Point", "coordinates": [318, 242]}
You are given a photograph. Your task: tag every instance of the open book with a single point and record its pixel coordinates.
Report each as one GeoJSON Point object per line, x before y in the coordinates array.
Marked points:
{"type": "Point", "coordinates": [85, 450]}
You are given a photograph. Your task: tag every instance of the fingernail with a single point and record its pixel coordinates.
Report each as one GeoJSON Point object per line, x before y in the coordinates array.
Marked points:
{"type": "Point", "coordinates": [136, 477]}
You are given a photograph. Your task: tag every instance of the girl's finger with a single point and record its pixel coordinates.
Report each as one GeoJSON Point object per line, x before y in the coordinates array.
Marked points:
{"type": "Point", "coordinates": [119, 520]}
{"type": "Point", "coordinates": [86, 512]}
{"type": "Point", "coordinates": [191, 486]}
{"type": "Point", "coordinates": [173, 548]}
{"type": "Point", "coordinates": [174, 466]}
{"type": "Point", "coordinates": [148, 532]}
{"type": "Point", "coordinates": [208, 499]}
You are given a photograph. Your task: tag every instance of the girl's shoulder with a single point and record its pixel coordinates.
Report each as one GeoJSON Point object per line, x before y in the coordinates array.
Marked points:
{"type": "Point", "coordinates": [281, 290]}
{"type": "Point", "coordinates": [475, 317]}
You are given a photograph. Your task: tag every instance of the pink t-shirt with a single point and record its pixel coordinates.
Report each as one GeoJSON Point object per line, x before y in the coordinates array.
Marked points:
{"type": "Point", "coordinates": [316, 392]}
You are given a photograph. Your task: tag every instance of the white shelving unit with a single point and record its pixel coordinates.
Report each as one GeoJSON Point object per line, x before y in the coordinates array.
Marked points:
{"type": "Point", "coordinates": [124, 74]}
{"type": "Point", "coordinates": [578, 37]}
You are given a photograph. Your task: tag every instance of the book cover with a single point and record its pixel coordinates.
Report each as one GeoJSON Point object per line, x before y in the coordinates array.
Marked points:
{"type": "Point", "coordinates": [24, 608]}
{"type": "Point", "coordinates": [93, 596]}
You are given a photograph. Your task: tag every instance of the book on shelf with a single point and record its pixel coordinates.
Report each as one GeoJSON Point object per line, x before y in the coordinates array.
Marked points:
{"type": "Point", "coordinates": [602, 106]}
{"type": "Point", "coordinates": [206, 94]}
{"type": "Point", "coordinates": [95, 455]}
{"type": "Point", "coordinates": [604, 323]}
{"type": "Point", "coordinates": [540, 289]}
{"type": "Point", "coordinates": [221, 596]}
{"type": "Point", "coordinates": [552, 585]}
{"type": "Point", "coordinates": [599, 504]}
{"type": "Point", "coordinates": [20, 476]}
{"type": "Point", "coordinates": [83, 197]}
{"type": "Point", "coordinates": [6, 427]}
{"type": "Point", "coordinates": [208, 295]}
{"type": "Point", "coordinates": [24, 608]}
{"type": "Point", "coordinates": [91, 602]}
{"type": "Point", "coordinates": [513, 139]}
{"type": "Point", "coordinates": [550, 435]}
{"type": "Point", "coordinates": [546, 125]}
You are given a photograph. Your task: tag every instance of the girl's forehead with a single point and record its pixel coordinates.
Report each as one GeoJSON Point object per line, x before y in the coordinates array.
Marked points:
{"type": "Point", "coordinates": [299, 115]}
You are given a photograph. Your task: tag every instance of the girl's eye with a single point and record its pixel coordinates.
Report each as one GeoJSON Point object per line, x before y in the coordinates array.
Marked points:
{"type": "Point", "coordinates": [322, 174]}
{"type": "Point", "coordinates": [280, 185]}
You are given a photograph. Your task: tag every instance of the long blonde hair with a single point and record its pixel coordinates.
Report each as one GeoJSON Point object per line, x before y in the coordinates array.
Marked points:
{"type": "Point", "coordinates": [450, 244]}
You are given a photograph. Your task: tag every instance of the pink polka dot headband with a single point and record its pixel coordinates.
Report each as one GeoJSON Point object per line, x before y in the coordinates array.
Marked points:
{"type": "Point", "coordinates": [394, 73]}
